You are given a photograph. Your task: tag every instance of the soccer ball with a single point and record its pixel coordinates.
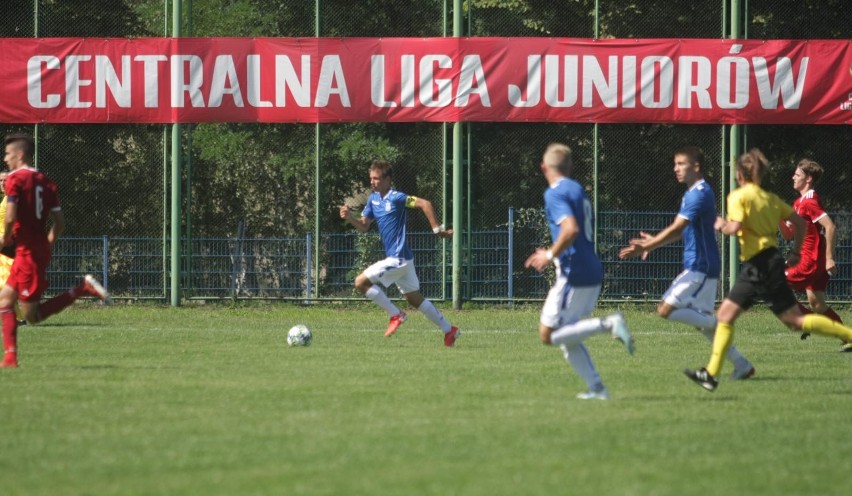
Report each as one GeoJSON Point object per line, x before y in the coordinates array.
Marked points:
{"type": "Point", "coordinates": [299, 335]}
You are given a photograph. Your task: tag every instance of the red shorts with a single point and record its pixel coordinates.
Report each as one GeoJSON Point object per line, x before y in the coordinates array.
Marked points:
{"type": "Point", "coordinates": [29, 274]}
{"type": "Point", "coordinates": [808, 275]}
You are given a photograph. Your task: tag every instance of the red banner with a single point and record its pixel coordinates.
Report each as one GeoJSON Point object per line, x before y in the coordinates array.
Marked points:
{"type": "Point", "coordinates": [165, 80]}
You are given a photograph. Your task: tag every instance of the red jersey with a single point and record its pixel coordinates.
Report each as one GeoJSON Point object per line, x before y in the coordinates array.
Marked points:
{"type": "Point", "coordinates": [809, 208]}
{"type": "Point", "coordinates": [35, 196]}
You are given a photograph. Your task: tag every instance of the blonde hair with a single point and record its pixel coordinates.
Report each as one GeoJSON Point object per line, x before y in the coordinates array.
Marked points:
{"type": "Point", "coordinates": [558, 156]}
{"type": "Point", "coordinates": [752, 165]}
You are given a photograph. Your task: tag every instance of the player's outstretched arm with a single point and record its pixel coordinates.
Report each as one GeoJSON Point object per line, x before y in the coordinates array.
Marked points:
{"type": "Point", "coordinates": [361, 224]}
{"type": "Point", "coordinates": [429, 211]}
{"type": "Point", "coordinates": [645, 243]}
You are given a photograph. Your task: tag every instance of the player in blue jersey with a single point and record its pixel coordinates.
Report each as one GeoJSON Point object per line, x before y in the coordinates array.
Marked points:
{"type": "Point", "coordinates": [691, 297]}
{"type": "Point", "coordinates": [578, 273]}
{"type": "Point", "coordinates": [389, 208]}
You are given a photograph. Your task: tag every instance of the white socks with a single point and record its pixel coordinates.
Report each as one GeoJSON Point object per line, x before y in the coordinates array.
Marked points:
{"type": "Point", "coordinates": [576, 333]}
{"type": "Point", "coordinates": [707, 325]}
{"type": "Point", "coordinates": [578, 356]}
{"type": "Point", "coordinates": [376, 294]}
{"type": "Point", "coordinates": [693, 317]}
{"type": "Point", "coordinates": [435, 316]}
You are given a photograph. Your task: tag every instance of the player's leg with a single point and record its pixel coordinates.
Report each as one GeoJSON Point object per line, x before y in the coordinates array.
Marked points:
{"type": "Point", "coordinates": [690, 300]}
{"type": "Point", "coordinates": [5, 270]}
{"type": "Point", "coordinates": [367, 284]}
{"type": "Point", "coordinates": [678, 301]}
{"type": "Point", "coordinates": [798, 278]}
{"type": "Point", "coordinates": [571, 305]}
{"type": "Point", "coordinates": [561, 326]}
{"type": "Point", "coordinates": [784, 305]}
{"type": "Point", "coordinates": [817, 301]}
{"type": "Point", "coordinates": [89, 287]}
{"type": "Point", "coordinates": [814, 323]}
{"type": "Point", "coordinates": [409, 284]}
{"type": "Point", "coordinates": [578, 357]}
{"type": "Point", "coordinates": [8, 297]}
{"type": "Point", "coordinates": [739, 299]}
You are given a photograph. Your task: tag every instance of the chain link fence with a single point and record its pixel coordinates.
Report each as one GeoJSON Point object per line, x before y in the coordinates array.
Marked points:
{"type": "Point", "coordinates": [260, 202]}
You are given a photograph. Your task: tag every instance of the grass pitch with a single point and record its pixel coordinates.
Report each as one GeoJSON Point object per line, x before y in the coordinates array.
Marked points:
{"type": "Point", "coordinates": [210, 401]}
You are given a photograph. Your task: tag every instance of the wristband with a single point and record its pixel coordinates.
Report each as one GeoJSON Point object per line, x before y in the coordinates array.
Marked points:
{"type": "Point", "coordinates": [549, 255]}
{"type": "Point", "coordinates": [438, 229]}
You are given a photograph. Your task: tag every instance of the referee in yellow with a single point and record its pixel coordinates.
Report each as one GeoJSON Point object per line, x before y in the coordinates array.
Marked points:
{"type": "Point", "coordinates": [753, 216]}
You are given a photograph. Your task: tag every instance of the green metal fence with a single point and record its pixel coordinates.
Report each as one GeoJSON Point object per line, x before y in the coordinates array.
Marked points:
{"type": "Point", "coordinates": [246, 187]}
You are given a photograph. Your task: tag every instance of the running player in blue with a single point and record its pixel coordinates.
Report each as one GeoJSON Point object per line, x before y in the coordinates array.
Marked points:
{"type": "Point", "coordinates": [389, 208]}
{"type": "Point", "coordinates": [691, 297]}
{"type": "Point", "coordinates": [578, 273]}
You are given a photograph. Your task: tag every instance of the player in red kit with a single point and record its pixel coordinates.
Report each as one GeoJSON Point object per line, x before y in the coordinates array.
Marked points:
{"type": "Point", "coordinates": [32, 201]}
{"type": "Point", "coordinates": [817, 265]}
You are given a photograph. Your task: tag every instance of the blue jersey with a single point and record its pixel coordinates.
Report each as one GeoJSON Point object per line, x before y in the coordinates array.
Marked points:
{"type": "Point", "coordinates": [578, 263]}
{"type": "Point", "coordinates": [700, 252]}
{"type": "Point", "coordinates": [391, 214]}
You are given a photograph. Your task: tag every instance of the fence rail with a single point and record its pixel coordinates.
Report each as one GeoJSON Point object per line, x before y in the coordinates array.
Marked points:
{"type": "Point", "coordinates": [281, 268]}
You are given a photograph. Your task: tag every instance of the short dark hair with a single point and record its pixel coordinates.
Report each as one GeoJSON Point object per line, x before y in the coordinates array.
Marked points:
{"type": "Point", "coordinates": [693, 153]}
{"type": "Point", "coordinates": [24, 142]}
{"type": "Point", "coordinates": [382, 166]}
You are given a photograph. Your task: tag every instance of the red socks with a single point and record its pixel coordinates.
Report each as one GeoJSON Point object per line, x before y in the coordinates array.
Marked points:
{"type": "Point", "coordinates": [57, 304]}
{"type": "Point", "coordinates": [10, 337]}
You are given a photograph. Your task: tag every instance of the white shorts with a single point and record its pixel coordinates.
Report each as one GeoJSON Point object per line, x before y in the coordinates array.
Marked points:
{"type": "Point", "coordinates": [692, 289]}
{"type": "Point", "coordinates": [394, 271]}
{"type": "Point", "coordinates": [566, 304]}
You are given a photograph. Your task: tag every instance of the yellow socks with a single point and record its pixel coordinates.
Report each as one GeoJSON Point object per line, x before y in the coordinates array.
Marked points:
{"type": "Point", "coordinates": [820, 324]}
{"type": "Point", "coordinates": [721, 343]}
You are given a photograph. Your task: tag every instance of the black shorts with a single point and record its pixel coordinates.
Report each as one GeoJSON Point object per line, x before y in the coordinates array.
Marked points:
{"type": "Point", "coordinates": [762, 277]}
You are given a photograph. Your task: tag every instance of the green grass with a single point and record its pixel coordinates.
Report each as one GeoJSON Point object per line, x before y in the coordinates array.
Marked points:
{"type": "Point", "coordinates": [210, 401]}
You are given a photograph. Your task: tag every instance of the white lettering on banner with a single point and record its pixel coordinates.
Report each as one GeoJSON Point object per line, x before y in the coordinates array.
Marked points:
{"type": "Point", "coordinates": [732, 69]}
{"type": "Point", "coordinates": [224, 82]}
{"type": "Point", "coordinates": [650, 79]}
{"type": "Point", "coordinates": [791, 95]}
{"type": "Point", "coordinates": [552, 81]}
{"type": "Point", "coordinates": [700, 88]}
{"type": "Point", "coordinates": [430, 80]}
{"type": "Point", "coordinates": [107, 78]}
{"type": "Point", "coordinates": [657, 83]}
{"type": "Point", "coordinates": [471, 82]}
{"type": "Point", "coordinates": [254, 83]}
{"type": "Point", "coordinates": [471, 70]}
{"type": "Point", "coordinates": [331, 82]}
{"type": "Point", "coordinates": [607, 88]}
{"type": "Point", "coordinates": [179, 84]}
{"type": "Point", "coordinates": [533, 85]}
{"type": "Point", "coordinates": [34, 93]}
{"type": "Point", "coordinates": [152, 78]}
{"type": "Point", "coordinates": [286, 78]}
{"type": "Point", "coordinates": [73, 81]}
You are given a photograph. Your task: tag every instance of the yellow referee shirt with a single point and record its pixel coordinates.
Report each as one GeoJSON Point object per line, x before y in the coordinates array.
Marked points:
{"type": "Point", "coordinates": [5, 262]}
{"type": "Point", "coordinates": [759, 212]}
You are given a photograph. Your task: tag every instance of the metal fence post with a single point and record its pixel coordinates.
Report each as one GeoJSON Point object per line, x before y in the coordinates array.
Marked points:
{"type": "Point", "coordinates": [511, 256]}
{"type": "Point", "coordinates": [105, 275]}
{"type": "Point", "coordinates": [308, 266]}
